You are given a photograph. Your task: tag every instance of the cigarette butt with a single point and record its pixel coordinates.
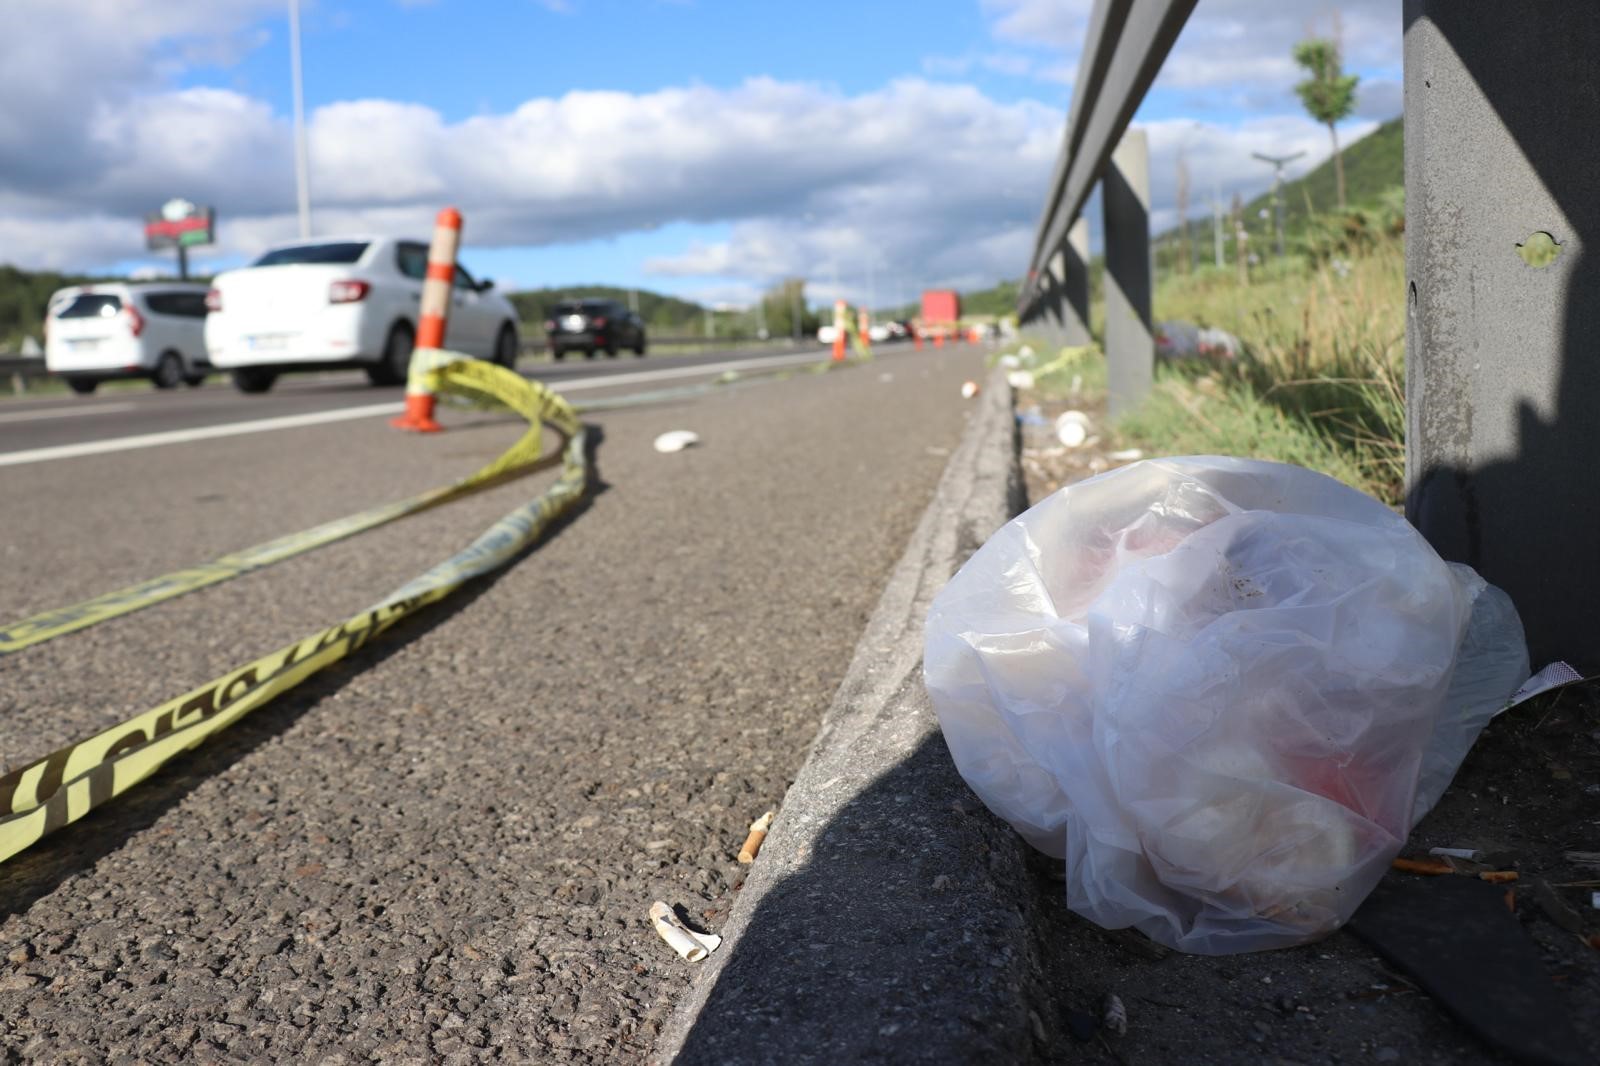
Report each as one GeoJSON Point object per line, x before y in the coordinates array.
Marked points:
{"type": "Point", "coordinates": [1422, 866]}
{"type": "Point", "coordinates": [1498, 877]}
{"type": "Point", "coordinates": [691, 945]}
{"type": "Point", "coordinates": [758, 833]}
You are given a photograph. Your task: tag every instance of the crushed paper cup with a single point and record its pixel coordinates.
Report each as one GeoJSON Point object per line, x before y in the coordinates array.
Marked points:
{"type": "Point", "coordinates": [1072, 428]}
{"type": "Point", "coordinates": [1020, 379]}
{"type": "Point", "coordinates": [676, 440]}
{"type": "Point", "coordinates": [969, 389]}
{"type": "Point", "coordinates": [691, 945]}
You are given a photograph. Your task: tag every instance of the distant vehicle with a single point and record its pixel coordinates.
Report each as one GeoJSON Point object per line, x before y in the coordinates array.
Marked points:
{"type": "Point", "coordinates": [344, 301]}
{"type": "Point", "coordinates": [899, 329]}
{"type": "Point", "coordinates": [591, 326]}
{"type": "Point", "coordinates": [879, 332]}
{"type": "Point", "coordinates": [941, 306]}
{"type": "Point", "coordinates": [154, 330]}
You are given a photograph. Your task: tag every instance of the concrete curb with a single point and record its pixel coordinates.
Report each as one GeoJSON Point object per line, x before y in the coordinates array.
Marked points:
{"type": "Point", "coordinates": [888, 918]}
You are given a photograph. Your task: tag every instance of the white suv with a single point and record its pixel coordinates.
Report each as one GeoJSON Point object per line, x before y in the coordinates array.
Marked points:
{"type": "Point", "coordinates": [344, 301]}
{"type": "Point", "coordinates": [152, 330]}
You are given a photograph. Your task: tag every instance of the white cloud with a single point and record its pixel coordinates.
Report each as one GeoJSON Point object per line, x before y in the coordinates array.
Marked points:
{"type": "Point", "coordinates": [1233, 45]}
{"type": "Point", "coordinates": [916, 182]}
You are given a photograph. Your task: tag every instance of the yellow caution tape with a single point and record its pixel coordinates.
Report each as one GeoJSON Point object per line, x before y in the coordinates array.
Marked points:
{"type": "Point", "coordinates": [519, 459]}
{"type": "Point", "coordinates": [62, 787]}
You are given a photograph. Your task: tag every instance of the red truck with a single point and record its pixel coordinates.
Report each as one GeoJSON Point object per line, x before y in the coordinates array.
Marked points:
{"type": "Point", "coordinates": [941, 307]}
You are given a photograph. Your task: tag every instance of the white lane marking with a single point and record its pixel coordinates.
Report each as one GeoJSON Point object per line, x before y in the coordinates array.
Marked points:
{"type": "Point", "coordinates": [680, 372]}
{"type": "Point", "coordinates": [184, 436]}
{"type": "Point", "coordinates": [73, 412]}
{"type": "Point", "coordinates": [267, 425]}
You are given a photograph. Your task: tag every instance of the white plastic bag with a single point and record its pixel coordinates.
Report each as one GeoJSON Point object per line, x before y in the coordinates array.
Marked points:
{"type": "Point", "coordinates": [1213, 686]}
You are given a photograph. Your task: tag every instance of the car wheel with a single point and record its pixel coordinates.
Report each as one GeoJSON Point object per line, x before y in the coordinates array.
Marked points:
{"type": "Point", "coordinates": [505, 348]}
{"type": "Point", "coordinates": [82, 386]}
{"type": "Point", "coordinates": [395, 365]}
{"type": "Point", "coordinates": [638, 349]}
{"type": "Point", "coordinates": [254, 378]}
{"type": "Point", "coordinates": [588, 353]}
{"type": "Point", "coordinates": [168, 373]}
{"type": "Point", "coordinates": [558, 354]}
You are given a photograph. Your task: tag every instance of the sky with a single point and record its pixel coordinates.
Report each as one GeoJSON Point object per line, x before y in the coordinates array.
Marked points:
{"type": "Point", "coordinates": [706, 148]}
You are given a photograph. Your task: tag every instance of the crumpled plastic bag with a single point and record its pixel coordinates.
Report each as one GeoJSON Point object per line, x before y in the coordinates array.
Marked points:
{"type": "Point", "coordinates": [1222, 690]}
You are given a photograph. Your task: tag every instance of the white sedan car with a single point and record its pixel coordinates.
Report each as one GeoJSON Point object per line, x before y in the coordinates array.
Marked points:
{"type": "Point", "coordinates": [344, 301]}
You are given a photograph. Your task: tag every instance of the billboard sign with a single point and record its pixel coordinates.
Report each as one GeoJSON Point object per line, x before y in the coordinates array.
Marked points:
{"type": "Point", "coordinates": [180, 224]}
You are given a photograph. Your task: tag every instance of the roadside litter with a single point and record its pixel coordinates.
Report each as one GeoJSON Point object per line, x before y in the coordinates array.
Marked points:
{"type": "Point", "coordinates": [1221, 690]}
{"type": "Point", "coordinates": [1115, 1015]}
{"type": "Point", "coordinates": [676, 440]}
{"type": "Point", "coordinates": [752, 843]}
{"type": "Point", "coordinates": [1072, 428]}
{"type": "Point", "coordinates": [691, 945]}
{"type": "Point", "coordinates": [1185, 340]}
{"type": "Point", "coordinates": [1020, 379]}
{"type": "Point", "coordinates": [969, 389]}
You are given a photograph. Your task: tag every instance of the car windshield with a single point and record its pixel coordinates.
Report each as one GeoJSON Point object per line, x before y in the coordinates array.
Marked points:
{"type": "Point", "coordinates": [91, 305]}
{"type": "Point", "coordinates": [329, 252]}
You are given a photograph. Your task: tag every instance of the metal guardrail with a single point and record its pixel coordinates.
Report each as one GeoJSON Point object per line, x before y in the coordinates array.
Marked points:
{"type": "Point", "coordinates": [1502, 379]}
{"type": "Point", "coordinates": [1128, 41]}
{"type": "Point", "coordinates": [17, 370]}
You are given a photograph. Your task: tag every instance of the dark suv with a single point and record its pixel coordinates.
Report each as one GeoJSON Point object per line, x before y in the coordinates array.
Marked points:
{"type": "Point", "coordinates": [593, 326]}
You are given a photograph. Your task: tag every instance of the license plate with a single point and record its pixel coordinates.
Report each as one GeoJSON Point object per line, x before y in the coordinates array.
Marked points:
{"type": "Point", "coordinates": [271, 342]}
{"type": "Point", "coordinates": [574, 323]}
{"type": "Point", "coordinates": [83, 344]}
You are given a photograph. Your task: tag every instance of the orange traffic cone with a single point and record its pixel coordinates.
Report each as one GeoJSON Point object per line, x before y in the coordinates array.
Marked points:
{"type": "Point", "coordinates": [419, 414]}
{"type": "Point", "coordinates": [838, 346]}
{"type": "Point", "coordinates": [938, 339]}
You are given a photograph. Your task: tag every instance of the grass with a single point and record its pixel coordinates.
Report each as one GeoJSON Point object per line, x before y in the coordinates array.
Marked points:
{"type": "Point", "coordinates": [1322, 379]}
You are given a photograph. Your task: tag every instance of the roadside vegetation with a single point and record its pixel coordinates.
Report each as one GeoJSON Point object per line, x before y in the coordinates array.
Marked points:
{"type": "Point", "coordinates": [1320, 378]}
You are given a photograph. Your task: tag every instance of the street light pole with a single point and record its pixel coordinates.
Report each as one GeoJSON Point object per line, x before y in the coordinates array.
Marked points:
{"type": "Point", "coordinates": [301, 164]}
{"type": "Point", "coordinates": [1278, 162]}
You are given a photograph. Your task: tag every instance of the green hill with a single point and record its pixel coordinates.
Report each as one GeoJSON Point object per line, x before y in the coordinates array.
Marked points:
{"type": "Point", "coordinates": [1372, 167]}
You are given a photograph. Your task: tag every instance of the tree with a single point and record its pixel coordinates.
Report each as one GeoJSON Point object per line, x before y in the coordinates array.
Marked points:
{"type": "Point", "coordinates": [1329, 94]}
{"type": "Point", "coordinates": [785, 307]}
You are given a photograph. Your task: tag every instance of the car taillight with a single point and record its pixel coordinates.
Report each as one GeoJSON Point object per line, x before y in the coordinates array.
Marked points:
{"type": "Point", "coordinates": [599, 323]}
{"type": "Point", "coordinates": [348, 292]}
{"type": "Point", "coordinates": [214, 300]}
{"type": "Point", "coordinates": [135, 320]}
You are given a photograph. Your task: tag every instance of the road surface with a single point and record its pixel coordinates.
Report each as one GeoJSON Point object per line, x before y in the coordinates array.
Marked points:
{"type": "Point", "coordinates": [446, 847]}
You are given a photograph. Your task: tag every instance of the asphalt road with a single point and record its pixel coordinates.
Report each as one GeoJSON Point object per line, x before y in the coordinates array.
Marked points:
{"type": "Point", "coordinates": [27, 424]}
{"type": "Point", "coordinates": [446, 847]}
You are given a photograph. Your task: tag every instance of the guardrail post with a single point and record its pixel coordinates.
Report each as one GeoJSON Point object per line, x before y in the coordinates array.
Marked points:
{"type": "Point", "coordinates": [1130, 343]}
{"type": "Point", "coordinates": [1075, 286]}
{"type": "Point", "coordinates": [1504, 304]}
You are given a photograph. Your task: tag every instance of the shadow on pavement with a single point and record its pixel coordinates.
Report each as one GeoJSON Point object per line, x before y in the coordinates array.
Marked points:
{"type": "Point", "coordinates": [877, 948]}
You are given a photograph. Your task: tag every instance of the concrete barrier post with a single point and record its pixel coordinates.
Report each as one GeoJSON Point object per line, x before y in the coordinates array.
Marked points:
{"type": "Point", "coordinates": [1130, 342]}
{"type": "Point", "coordinates": [1504, 303]}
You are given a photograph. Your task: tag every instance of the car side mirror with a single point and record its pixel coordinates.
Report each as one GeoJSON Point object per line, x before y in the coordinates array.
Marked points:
{"type": "Point", "coordinates": [485, 284]}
